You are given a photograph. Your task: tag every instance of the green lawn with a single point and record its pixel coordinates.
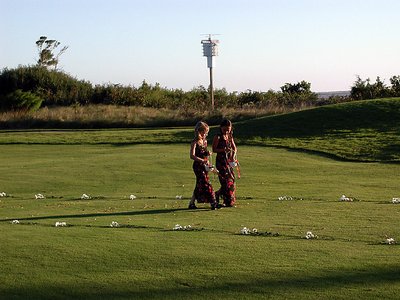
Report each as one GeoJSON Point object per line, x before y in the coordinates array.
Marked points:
{"type": "Point", "coordinates": [146, 259]}
{"type": "Point", "coordinates": [364, 131]}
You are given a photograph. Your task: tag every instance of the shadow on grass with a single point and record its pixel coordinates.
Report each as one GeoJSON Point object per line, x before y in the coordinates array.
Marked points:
{"type": "Point", "coordinates": [123, 213]}
{"type": "Point", "coordinates": [344, 283]}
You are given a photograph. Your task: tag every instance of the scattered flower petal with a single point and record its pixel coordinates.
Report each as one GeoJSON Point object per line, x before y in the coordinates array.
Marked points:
{"type": "Point", "coordinates": [396, 200]}
{"type": "Point", "coordinates": [85, 197]}
{"type": "Point", "coordinates": [179, 197]}
{"type": "Point", "coordinates": [114, 224]}
{"type": "Point", "coordinates": [178, 227]}
{"type": "Point", "coordinates": [14, 222]}
{"type": "Point", "coordinates": [284, 198]}
{"type": "Point", "coordinates": [132, 197]}
{"type": "Point", "coordinates": [245, 230]}
{"type": "Point", "coordinates": [347, 199]}
{"type": "Point", "coordinates": [3, 194]}
{"type": "Point", "coordinates": [39, 196]}
{"type": "Point", "coordinates": [61, 224]}
{"type": "Point", "coordinates": [390, 241]}
{"type": "Point", "coordinates": [310, 235]}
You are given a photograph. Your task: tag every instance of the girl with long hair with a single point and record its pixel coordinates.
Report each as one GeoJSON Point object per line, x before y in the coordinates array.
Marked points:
{"type": "Point", "coordinates": [203, 191]}
{"type": "Point", "coordinates": [225, 147]}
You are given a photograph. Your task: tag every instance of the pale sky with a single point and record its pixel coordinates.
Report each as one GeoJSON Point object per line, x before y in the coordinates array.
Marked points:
{"type": "Point", "coordinates": [263, 43]}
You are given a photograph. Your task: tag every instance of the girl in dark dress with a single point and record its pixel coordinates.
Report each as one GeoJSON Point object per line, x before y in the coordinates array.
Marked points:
{"type": "Point", "coordinates": [224, 146]}
{"type": "Point", "coordinates": [203, 192]}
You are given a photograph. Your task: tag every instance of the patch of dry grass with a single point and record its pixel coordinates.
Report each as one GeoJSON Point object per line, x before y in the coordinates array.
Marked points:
{"type": "Point", "coordinates": [106, 116]}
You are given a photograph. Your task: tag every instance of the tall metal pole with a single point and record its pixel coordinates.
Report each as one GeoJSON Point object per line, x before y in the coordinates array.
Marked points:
{"type": "Point", "coordinates": [211, 89]}
{"type": "Point", "coordinates": [209, 50]}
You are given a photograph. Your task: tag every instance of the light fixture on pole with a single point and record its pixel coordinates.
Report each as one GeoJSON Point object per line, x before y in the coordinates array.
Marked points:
{"type": "Point", "coordinates": [210, 49]}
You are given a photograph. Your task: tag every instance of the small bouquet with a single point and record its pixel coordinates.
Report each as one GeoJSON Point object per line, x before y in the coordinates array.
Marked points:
{"type": "Point", "coordinates": [210, 168]}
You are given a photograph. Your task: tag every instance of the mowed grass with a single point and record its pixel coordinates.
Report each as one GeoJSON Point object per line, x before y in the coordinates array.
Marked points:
{"type": "Point", "coordinates": [366, 130]}
{"type": "Point", "coordinates": [146, 259]}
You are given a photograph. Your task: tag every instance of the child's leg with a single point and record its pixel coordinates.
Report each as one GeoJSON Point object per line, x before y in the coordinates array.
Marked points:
{"type": "Point", "coordinates": [192, 204]}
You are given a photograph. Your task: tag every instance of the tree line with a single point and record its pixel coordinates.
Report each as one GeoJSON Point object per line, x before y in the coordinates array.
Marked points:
{"type": "Point", "coordinates": [31, 87]}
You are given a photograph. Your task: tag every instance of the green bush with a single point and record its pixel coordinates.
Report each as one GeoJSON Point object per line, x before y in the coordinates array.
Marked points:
{"type": "Point", "coordinates": [364, 89]}
{"type": "Point", "coordinates": [54, 87]}
{"type": "Point", "coordinates": [19, 100]}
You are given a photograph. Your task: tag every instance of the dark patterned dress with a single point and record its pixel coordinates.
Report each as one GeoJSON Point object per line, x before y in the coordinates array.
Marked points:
{"type": "Point", "coordinates": [203, 192]}
{"type": "Point", "coordinates": [226, 174]}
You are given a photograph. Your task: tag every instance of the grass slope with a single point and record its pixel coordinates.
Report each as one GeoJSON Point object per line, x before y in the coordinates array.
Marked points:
{"type": "Point", "coordinates": [146, 259]}
{"type": "Point", "coordinates": [361, 130]}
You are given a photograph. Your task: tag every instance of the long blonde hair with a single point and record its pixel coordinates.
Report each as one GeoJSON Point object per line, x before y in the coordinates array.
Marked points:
{"type": "Point", "coordinates": [200, 126]}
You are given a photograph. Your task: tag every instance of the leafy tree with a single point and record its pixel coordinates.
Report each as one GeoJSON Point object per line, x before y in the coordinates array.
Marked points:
{"type": "Point", "coordinates": [297, 88]}
{"type": "Point", "coordinates": [298, 94]}
{"type": "Point", "coordinates": [19, 100]}
{"type": "Point", "coordinates": [47, 56]}
{"type": "Point", "coordinates": [395, 82]}
{"type": "Point", "coordinates": [364, 89]}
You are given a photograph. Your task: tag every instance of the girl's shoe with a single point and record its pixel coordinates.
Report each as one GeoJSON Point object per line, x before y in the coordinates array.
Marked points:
{"type": "Point", "coordinates": [192, 206]}
{"type": "Point", "coordinates": [215, 206]}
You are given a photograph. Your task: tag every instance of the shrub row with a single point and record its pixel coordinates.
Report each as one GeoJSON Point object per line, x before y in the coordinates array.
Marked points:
{"type": "Point", "coordinates": [56, 88]}
{"type": "Point", "coordinates": [364, 89]}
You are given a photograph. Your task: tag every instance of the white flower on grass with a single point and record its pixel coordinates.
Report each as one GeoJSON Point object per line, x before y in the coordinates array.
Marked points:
{"type": "Point", "coordinates": [3, 194]}
{"type": "Point", "coordinates": [85, 197]}
{"type": "Point", "coordinates": [254, 230]}
{"type": "Point", "coordinates": [114, 224]}
{"type": "Point", "coordinates": [14, 222]}
{"type": "Point", "coordinates": [245, 230]}
{"type": "Point", "coordinates": [39, 196]}
{"type": "Point", "coordinates": [282, 198]}
{"type": "Point", "coordinates": [61, 224]}
{"type": "Point", "coordinates": [344, 198]}
{"type": "Point", "coordinates": [178, 197]}
{"type": "Point", "coordinates": [396, 200]}
{"type": "Point", "coordinates": [132, 197]}
{"type": "Point", "coordinates": [310, 235]}
{"type": "Point", "coordinates": [178, 227]}
{"type": "Point", "coordinates": [390, 241]}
